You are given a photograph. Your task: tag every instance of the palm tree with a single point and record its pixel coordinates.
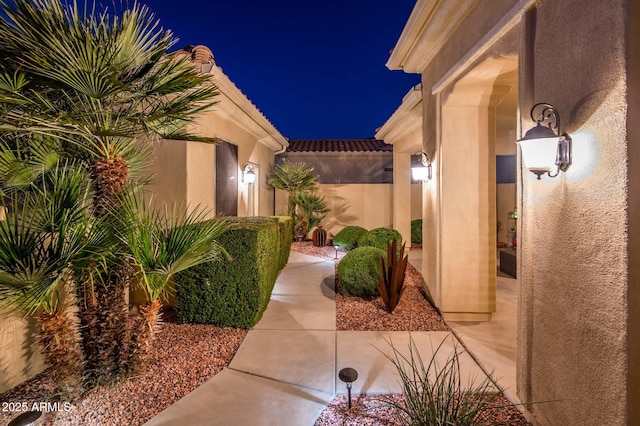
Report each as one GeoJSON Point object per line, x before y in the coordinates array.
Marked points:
{"type": "Point", "coordinates": [46, 235]}
{"type": "Point", "coordinates": [102, 87]}
{"type": "Point", "coordinates": [161, 245]}
{"type": "Point", "coordinates": [310, 209]}
{"type": "Point", "coordinates": [295, 178]}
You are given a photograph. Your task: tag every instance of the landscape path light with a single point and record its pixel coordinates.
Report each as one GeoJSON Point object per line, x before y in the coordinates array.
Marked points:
{"type": "Point", "coordinates": [348, 375]}
{"type": "Point", "coordinates": [26, 419]}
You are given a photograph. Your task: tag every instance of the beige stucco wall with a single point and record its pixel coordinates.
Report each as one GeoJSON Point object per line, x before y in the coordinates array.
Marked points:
{"type": "Point", "coordinates": [366, 205]}
{"type": "Point", "coordinates": [20, 358]}
{"type": "Point", "coordinates": [575, 254]}
{"type": "Point", "coordinates": [577, 257]}
{"type": "Point", "coordinates": [185, 171]}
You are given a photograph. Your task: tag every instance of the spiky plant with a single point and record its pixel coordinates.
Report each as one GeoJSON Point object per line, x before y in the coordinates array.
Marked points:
{"type": "Point", "coordinates": [103, 86]}
{"type": "Point", "coordinates": [47, 233]}
{"type": "Point", "coordinates": [434, 394]}
{"type": "Point", "coordinates": [295, 178]}
{"type": "Point", "coordinates": [162, 243]}
{"type": "Point", "coordinates": [391, 279]}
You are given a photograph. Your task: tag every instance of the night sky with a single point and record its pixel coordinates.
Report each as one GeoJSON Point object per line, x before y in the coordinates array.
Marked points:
{"type": "Point", "coordinates": [314, 68]}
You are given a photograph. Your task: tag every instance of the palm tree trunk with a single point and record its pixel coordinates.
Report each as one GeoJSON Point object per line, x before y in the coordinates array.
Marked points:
{"type": "Point", "coordinates": [105, 312]}
{"type": "Point", "coordinates": [60, 339]}
{"type": "Point", "coordinates": [104, 328]}
{"type": "Point", "coordinates": [109, 177]}
{"type": "Point", "coordinates": [143, 334]}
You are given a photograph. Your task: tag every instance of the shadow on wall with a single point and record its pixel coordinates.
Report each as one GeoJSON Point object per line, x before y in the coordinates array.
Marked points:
{"type": "Point", "coordinates": [339, 216]}
{"type": "Point", "coordinates": [20, 358]}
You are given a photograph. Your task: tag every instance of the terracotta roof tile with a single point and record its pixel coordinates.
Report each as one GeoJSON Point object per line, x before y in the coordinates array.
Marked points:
{"type": "Point", "coordinates": [338, 145]}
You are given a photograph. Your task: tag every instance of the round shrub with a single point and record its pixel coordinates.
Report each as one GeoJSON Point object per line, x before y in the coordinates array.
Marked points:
{"type": "Point", "coordinates": [348, 236]}
{"type": "Point", "coordinates": [378, 238]}
{"type": "Point", "coordinates": [359, 271]}
{"type": "Point", "coordinates": [416, 231]}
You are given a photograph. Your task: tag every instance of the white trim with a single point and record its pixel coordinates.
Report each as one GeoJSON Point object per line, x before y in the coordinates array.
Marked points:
{"type": "Point", "coordinates": [510, 20]}
{"type": "Point", "coordinates": [430, 25]}
{"type": "Point", "coordinates": [406, 118]}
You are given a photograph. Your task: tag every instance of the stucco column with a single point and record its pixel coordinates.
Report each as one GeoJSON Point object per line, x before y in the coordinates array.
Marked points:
{"type": "Point", "coordinates": [468, 221]}
{"type": "Point", "coordinates": [402, 195]}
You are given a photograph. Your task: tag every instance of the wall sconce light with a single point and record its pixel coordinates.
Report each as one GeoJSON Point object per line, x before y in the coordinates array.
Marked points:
{"type": "Point", "coordinates": [542, 147]}
{"type": "Point", "coordinates": [421, 167]}
{"type": "Point", "coordinates": [248, 175]}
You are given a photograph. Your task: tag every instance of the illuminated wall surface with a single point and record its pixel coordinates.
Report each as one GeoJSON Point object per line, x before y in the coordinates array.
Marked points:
{"type": "Point", "coordinates": [578, 233]}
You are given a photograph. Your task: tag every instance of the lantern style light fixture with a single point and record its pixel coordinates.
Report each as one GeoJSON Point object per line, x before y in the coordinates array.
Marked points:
{"type": "Point", "coordinates": [544, 149]}
{"type": "Point", "coordinates": [421, 167]}
{"type": "Point", "coordinates": [248, 174]}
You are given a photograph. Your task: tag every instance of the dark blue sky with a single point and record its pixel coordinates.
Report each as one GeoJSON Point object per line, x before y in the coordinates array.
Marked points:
{"type": "Point", "coordinates": [314, 68]}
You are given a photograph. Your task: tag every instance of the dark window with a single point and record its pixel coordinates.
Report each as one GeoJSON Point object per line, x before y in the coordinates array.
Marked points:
{"type": "Point", "coordinates": [227, 179]}
{"type": "Point", "coordinates": [505, 169]}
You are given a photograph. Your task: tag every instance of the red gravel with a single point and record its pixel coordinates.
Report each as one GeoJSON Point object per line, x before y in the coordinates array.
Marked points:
{"type": "Point", "coordinates": [375, 411]}
{"type": "Point", "coordinates": [184, 356]}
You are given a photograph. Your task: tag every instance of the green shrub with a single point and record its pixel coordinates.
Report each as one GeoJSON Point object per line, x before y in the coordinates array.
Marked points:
{"type": "Point", "coordinates": [359, 272]}
{"type": "Point", "coordinates": [233, 293]}
{"type": "Point", "coordinates": [348, 237]}
{"type": "Point", "coordinates": [379, 237]}
{"type": "Point", "coordinates": [416, 231]}
{"type": "Point", "coordinates": [285, 223]}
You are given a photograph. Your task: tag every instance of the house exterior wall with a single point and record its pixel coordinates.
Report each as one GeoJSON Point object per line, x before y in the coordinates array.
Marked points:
{"type": "Point", "coordinates": [366, 205]}
{"type": "Point", "coordinates": [578, 340]}
{"type": "Point", "coordinates": [20, 358]}
{"type": "Point", "coordinates": [184, 172]}
{"type": "Point", "coordinates": [576, 275]}
{"type": "Point", "coordinates": [346, 167]}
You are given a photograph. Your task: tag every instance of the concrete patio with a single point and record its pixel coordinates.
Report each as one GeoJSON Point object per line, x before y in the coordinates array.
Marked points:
{"type": "Point", "coordinates": [286, 370]}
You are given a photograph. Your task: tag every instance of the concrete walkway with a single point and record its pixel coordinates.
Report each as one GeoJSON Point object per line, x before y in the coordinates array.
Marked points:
{"type": "Point", "coordinates": [286, 369]}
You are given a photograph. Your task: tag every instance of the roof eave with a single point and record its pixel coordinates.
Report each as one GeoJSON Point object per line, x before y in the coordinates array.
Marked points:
{"type": "Point", "coordinates": [251, 118]}
{"type": "Point", "coordinates": [406, 118]}
{"type": "Point", "coordinates": [429, 26]}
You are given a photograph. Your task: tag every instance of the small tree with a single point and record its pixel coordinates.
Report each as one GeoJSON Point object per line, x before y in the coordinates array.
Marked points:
{"type": "Point", "coordinates": [295, 178]}
{"type": "Point", "coordinates": [310, 209]}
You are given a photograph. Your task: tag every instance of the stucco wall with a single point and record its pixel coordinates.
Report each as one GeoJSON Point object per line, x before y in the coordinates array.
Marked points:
{"type": "Point", "coordinates": [185, 171]}
{"type": "Point", "coordinates": [579, 250]}
{"type": "Point", "coordinates": [366, 205]}
{"type": "Point", "coordinates": [346, 167]}
{"type": "Point", "coordinates": [575, 270]}
{"type": "Point", "coordinates": [20, 358]}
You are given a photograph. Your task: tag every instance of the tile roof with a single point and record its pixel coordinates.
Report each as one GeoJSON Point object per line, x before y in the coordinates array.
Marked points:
{"type": "Point", "coordinates": [338, 145]}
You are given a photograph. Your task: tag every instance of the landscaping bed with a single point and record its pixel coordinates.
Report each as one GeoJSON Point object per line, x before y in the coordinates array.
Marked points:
{"type": "Point", "coordinates": [183, 357]}
{"type": "Point", "coordinates": [415, 313]}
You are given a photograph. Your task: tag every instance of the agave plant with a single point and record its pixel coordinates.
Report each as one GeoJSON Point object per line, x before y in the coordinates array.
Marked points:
{"type": "Point", "coordinates": [160, 244]}
{"type": "Point", "coordinates": [46, 236]}
{"type": "Point", "coordinates": [102, 86]}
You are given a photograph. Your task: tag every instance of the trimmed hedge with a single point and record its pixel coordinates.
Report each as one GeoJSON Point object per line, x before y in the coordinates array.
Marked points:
{"type": "Point", "coordinates": [378, 238]}
{"type": "Point", "coordinates": [233, 293]}
{"type": "Point", "coordinates": [359, 271]}
{"type": "Point", "coordinates": [286, 238]}
{"type": "Point", "coordinates": [416, 231]}
{"type": "Point", "coordinates": [348, 236]}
